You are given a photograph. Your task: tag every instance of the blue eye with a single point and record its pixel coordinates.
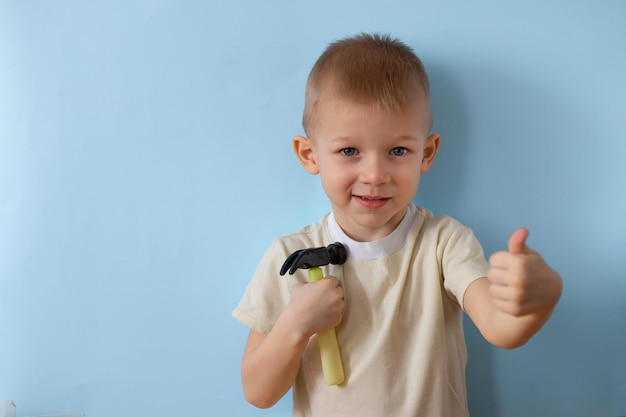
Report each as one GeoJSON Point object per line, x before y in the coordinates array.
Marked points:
{"type": "Point", "coordinates": [348, 151]}
{"type": "Point", "coordinates": [399, 151]}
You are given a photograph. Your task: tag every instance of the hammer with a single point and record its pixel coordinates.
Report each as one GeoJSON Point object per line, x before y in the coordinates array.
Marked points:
{"type": "Point", "coordinates": [312, 259]}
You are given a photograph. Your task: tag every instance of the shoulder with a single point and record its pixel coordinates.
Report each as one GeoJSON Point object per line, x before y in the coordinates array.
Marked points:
{"type": "Point", "coordinates": [438, 227]}
{"type": "Point", "coordinates": [446, 235]}
{"type": "Point", "coordinates": [312, 235]}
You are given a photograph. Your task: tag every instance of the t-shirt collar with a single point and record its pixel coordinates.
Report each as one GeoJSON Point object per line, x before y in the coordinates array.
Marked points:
{"type": "Point", "coordinates": [377, 249]}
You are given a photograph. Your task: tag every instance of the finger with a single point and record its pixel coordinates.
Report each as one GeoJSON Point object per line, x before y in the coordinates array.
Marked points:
{"type": "Point", "coordinates": [337, 287]}
{"type": "Point", "coordinates": [510, 293]}
{"type": "Point", "coordinates": [336, 282]}
{"type": "Point", "coordinates": [499, 292]}
{"type": "Point", "coordinates": [330, 286]}
{"type": "Point", "coordinates": [497, 276]}
{"type": "Point", "coordinates": [508, 300]}
{"type": "Point", "coordinates": [517, 241]}
{"type": "Point", "coordinates": [511, 308]}
{"type": "Point", "coordinates": [500, 260]}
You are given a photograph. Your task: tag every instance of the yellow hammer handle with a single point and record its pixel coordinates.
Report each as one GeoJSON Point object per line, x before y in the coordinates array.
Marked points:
{"type": "Point", "coordinates": [332, 365]}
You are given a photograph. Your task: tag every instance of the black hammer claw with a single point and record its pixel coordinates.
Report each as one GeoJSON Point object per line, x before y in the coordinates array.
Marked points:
{"type": "Point", "coordinates": [335, 254]}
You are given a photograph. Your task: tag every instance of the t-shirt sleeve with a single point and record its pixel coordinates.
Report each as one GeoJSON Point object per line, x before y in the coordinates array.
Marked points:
{"type": "Point", "coordinates": [267, 293]}
{"type": "Point", "coordinates": [463, 262]}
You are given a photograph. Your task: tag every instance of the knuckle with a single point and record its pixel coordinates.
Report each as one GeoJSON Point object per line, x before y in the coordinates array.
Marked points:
{"type": "Point", "coordinates": [331, 282]}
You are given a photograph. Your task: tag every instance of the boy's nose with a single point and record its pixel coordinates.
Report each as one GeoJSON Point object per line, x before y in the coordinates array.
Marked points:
{"type": "Point", "coordinates": [374, 171]}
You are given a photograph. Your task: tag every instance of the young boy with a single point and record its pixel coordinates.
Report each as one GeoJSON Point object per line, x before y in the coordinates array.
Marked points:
{"type": "Point", "coordinates": [397, 302]}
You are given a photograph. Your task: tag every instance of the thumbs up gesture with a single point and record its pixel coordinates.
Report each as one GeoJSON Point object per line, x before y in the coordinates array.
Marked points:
{"type": "Point", "coordinates": [520, 281]}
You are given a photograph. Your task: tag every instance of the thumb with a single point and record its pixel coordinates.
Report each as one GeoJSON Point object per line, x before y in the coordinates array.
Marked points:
{"type": "Point", "coordinates": [517, 241]}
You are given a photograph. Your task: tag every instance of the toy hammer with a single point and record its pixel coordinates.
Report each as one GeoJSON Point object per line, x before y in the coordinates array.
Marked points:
{"type": "Point", "coordinates": [312, 259]}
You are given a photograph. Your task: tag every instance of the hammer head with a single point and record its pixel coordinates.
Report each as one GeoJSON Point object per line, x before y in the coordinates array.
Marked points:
{"type": "Point", "coordinates": [335, 254]}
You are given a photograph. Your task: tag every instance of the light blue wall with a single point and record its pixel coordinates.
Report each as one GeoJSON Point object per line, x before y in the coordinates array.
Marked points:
{"type": "Point", "coordinates": [145, 165]}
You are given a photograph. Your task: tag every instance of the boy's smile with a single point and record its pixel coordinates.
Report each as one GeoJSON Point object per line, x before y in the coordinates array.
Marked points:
{"type": "Point", "coordinates": [369, 160]}
{"type": "Point", "coordinates": [371, 202]}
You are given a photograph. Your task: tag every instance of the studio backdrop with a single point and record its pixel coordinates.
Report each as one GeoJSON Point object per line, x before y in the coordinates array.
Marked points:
{"type": "Point", "coordinates": [146, 165]}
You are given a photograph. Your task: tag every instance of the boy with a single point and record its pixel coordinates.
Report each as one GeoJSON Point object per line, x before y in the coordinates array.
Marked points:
{"type": "Point", "coordinates": [397, 302]}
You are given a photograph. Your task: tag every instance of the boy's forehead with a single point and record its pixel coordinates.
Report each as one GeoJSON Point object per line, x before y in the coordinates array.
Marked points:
{"type": "Point", "coordinates": [336, 115]}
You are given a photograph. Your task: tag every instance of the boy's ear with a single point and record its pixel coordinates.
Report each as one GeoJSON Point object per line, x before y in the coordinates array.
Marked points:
{"type": "Point", "coordinates": [430, 150]}
{"type": "Point", "coordinates": [304, 151]}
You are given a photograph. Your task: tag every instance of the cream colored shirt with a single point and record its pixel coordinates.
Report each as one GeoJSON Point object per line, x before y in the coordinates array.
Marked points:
{"type": "Point", "coordinates": [401, 336]}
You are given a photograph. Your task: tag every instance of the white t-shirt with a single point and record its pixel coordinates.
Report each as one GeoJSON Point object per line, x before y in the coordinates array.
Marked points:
{"type": "Point", "coordinates": [401, 335]}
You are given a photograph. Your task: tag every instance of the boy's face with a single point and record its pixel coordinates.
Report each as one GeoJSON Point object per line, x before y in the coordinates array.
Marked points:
{"type": "Point", "coordinates": [369, 161]}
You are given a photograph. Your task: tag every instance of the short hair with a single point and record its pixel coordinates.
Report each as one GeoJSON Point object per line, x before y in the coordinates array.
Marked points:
{"type": "Point", "coordinates": [368, 69]}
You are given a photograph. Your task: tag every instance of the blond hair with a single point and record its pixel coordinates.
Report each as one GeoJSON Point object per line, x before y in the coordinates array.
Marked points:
{"type": "Point", "coordinates": [367, 69]}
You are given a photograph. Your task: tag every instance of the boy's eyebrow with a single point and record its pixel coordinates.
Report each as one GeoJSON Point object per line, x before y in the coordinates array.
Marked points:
{"type": "Point", "coordinates": [407, 137]}
{"type": "Point", "coordinates": [343, 141]}
{"type": "Point", "coordinates": [340, 139]}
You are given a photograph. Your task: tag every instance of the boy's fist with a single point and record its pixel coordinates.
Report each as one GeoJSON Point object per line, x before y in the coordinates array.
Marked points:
{"type": "Point", "coordinates": [317, 306]}
{"type": "Point", "coordinates": [520, 281]}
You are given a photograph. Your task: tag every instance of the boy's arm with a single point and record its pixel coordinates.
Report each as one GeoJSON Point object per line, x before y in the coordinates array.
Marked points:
{"type": "Point", "coordinates": [271, 362]}
{"type": "Point", "coordinates": [516, 298]}
{"type": "Point", "coordinates": [270, 365]}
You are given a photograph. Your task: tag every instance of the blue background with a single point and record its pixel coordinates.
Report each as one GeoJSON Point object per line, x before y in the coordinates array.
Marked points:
{"type": "Point", "coordinates": [146, 164]}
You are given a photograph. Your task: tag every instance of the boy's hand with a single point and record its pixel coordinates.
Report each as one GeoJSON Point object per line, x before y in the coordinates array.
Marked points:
{"type": "Point", "coordinates": [317, 306]}
{"type": "Point", "coordinates": [520, 281]}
